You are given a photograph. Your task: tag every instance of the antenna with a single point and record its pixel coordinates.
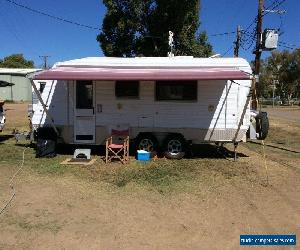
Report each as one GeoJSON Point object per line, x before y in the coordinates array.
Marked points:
{"type": "Point", "coordinates": [171, 44]}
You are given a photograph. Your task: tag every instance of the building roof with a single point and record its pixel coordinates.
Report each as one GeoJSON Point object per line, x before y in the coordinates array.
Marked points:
{"type": "Point", "coordinates": [17, 72]}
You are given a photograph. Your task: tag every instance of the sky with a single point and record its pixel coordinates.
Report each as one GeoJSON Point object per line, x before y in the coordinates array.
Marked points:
{"type": "Point", "coordinates": [33, 35]}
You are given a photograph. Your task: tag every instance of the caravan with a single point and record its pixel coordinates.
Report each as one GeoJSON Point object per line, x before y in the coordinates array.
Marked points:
{"type": "Point", "coordinates": [164, 102]}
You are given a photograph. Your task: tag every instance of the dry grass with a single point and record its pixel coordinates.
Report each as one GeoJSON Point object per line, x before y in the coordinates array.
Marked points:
{"type": "Point", "coordinates": [16, 117]}
{"type": "Point", "coordinates": [283, 141]}
{"type": "Point", "coordinates": [204, 202]}
{"type": "Point", "coordinates": [161, 175]}
{"type": "Point", "coordinates": [166, 176]}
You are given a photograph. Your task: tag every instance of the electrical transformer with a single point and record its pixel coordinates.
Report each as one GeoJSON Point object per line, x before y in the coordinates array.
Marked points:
{"type": "Point", "coordinates": [270, 39]}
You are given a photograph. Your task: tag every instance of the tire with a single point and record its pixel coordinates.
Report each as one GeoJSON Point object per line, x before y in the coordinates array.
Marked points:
{"type": "Point", "coordinates": [174, 147]}
{"type": "Point", "coordinates": [262, 125]}
{"type": "Point", "coordinates": [148, 142]}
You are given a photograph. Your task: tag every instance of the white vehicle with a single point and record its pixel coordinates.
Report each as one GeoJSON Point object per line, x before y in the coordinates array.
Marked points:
{"type": "Point", "coordinates": [2, 116]}
{"type": "Point", "coordinates": [2, 110]}
{"type": "Point", "coordinates": [164, 102]}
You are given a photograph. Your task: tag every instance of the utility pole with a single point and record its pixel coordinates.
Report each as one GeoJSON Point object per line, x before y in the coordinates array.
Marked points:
{"type": "Point", "coordinates": [45, 59]}
{"type": "Point", "coordinates": [273, 94]}
{"type": "Point", "coordinates": [258, 50]}
{"type": "Point", "coordinates": [237, 42]}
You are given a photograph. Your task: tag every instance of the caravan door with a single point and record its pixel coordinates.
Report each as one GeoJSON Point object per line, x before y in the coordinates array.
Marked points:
{"type": "Point", "coordinates": [84, 113]}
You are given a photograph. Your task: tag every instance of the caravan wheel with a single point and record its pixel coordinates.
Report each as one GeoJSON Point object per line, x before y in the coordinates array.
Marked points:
{"type": "Point", "coordinates": [147, 142]}
{"type": "Point", "coordinates": [174, 147]}
{"type": "Point", "coordinates": [262, 125]}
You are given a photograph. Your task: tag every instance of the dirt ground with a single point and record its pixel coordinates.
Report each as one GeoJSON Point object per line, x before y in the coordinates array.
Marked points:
{"type": "Point", "coordinates": [78, 209]}
{"type": "Point", "coordinates": [16, 116]}
{"type": "Point", "coordinates": [287, 113]}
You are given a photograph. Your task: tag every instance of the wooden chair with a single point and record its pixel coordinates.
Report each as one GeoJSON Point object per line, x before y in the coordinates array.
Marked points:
{"type": "Point", "coordinates": [117, 146]}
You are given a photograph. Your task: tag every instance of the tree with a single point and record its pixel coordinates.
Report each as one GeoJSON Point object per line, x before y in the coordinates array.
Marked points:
{"type": "Point", "coordinates": [16, 61]}
{"type": "Point", "coordinates": [135, 27]}
{"type": "Point", "coordinates": [283, 68]}
{"type": "Point", "coordinates": [264, 88]}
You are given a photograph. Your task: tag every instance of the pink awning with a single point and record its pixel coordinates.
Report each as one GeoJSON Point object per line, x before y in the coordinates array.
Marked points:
{"type": "Point", "coordinates": [142, 74]}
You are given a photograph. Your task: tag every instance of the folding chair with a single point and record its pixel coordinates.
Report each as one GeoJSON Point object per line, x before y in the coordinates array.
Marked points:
{"type": "Point", "coordinates": [117, 146]}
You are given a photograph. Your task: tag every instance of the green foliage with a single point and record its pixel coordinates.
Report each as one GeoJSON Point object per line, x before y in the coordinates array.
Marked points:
{"type": "Point", "coordinates": [283, 68]}
{"type": "Point", "coordinates": [16, 61]}
{"type": "Point", "coordinates": [135, 27]}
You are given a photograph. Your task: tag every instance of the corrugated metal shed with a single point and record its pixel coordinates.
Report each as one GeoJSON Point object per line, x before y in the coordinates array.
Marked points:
{"type": "Point", "coordinates": [21, 90]}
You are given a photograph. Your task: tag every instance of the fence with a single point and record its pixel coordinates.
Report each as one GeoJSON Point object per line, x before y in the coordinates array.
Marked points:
{"type": "Point", "coordinates": [279, 102]}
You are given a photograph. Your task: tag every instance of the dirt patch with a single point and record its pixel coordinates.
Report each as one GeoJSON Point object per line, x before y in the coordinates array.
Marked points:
{"type": "Point", "coordinates": [202, 203]}
{"type": "Point", "coordinates": [16, 116]}
{"type": "Point", "coordinates": [283, 140]}
{"type": "Point", "coordinates": [65, 211]}
{"type": "Point", "coordinates": [290, 114]}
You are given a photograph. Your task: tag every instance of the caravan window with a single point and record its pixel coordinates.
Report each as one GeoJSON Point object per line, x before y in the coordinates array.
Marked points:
{"type": "Point", "coordinates": [127, 89]}
{"type": "Point", "coordinates": [176, 90]}
{"type": "Point", "coordinates": [84, 94]}
{"type": "Point", "coordinates": [42, 87]}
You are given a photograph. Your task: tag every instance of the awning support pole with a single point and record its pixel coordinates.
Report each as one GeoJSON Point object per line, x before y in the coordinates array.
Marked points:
{"type": "Point", "coordinates": [244, 110]}
{"type": "Point", "coordinates": [44, 106]}
{"type": "Point", "coordinates": [235, 148]}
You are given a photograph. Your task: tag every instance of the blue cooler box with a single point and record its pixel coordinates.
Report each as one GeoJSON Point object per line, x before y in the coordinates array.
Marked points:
{"type": "Point", "coordinates": [143, 155]}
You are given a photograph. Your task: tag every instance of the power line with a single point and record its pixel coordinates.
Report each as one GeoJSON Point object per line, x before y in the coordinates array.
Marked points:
{"type": "Point", "coordinates": [227, 51]}
{"type": "Point", "coordinates": [52, 16]}
{"type": "Point", "coordinates": [284, 46]}
{"type": "Point", "coordinates": [273, 6]}
{"type": "Point", "coordinates": [250, 41]}
{"type": "Point", "coordinates": [223, 34]}
{"type": "Point", "coordinates": [253, 34]}
{"type": "Point", "coordinates": [12, 29]}
{"type": "Point", "coordinates": [276, 4]}
{"type": "Point", "coordinates": [282, 43]}
{"type": "Point", "coordinates": [288, 44]}
{"type": "Point", "coordinates": [250, 25]}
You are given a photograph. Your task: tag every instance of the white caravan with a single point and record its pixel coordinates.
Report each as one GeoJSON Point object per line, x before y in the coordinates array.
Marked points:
{"type": "Point", "coordinates": [164, 102]}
